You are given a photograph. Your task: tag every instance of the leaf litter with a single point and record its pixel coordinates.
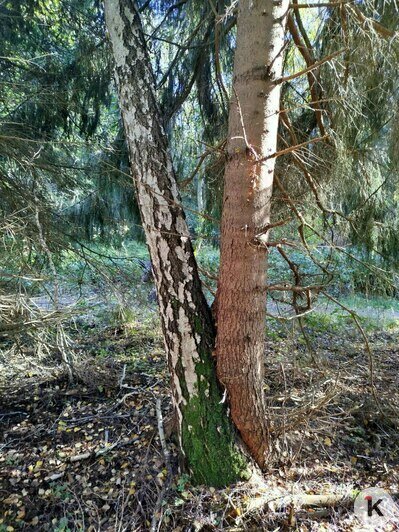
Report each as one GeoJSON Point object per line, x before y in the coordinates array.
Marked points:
{"type": "Point", "coordinates": [89, 457]}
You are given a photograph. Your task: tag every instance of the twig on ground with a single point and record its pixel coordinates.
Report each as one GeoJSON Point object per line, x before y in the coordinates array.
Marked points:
{"type": "Point", "coordinates": [156, 520]}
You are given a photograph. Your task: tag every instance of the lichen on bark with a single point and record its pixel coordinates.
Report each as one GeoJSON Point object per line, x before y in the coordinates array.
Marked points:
{"type": "Point", "coordinates": [206, 437]}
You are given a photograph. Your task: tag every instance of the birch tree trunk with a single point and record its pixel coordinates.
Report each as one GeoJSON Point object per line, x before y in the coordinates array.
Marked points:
{"type": "Point", "coordinates": [252, 137]}
{"type": "Point", "coordinates": [205, 434]}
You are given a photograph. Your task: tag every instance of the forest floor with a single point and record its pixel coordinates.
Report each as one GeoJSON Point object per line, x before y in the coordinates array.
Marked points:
{"type": "Point", "coordinates": [87, 456]}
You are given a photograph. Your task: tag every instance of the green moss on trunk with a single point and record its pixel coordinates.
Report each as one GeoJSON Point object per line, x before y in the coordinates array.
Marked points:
{"type": "Point", "coordinates": [208, 437]}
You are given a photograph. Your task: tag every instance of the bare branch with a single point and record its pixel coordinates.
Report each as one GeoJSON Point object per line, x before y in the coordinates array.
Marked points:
{"type": "Point", "coordinates": [312, 67]}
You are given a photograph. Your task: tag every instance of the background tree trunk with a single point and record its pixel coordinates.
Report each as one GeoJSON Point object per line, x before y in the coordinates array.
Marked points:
{"type": "Point", "coordinates": [241, 296]}
{"type": "Point", "coordinates": [205, 434]}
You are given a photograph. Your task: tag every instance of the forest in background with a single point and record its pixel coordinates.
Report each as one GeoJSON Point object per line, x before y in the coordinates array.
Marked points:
{"type": "Point", "coordinates": [88, 437]}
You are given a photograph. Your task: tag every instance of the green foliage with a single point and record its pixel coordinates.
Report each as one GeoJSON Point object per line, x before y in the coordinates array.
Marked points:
{"type": "Point", "coordinates": [352, 271]}
{"type": "Point", "coordinates": [62, 525]}
{"type": "Point", "coordinates": [364, 176]}
{"type": "Point", "coordinates": [182, 481]}
{"type": "Point", "coordinates": [61, 491]}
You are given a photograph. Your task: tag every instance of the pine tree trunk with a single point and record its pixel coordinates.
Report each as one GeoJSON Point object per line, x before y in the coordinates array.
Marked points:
{"type": "Point", "coordinates": [205, 434]}
{"type": "Point", "coordinates": [241, 296]}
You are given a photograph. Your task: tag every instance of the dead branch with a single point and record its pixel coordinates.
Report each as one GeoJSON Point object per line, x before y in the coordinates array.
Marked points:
{"type": "Point", "coordinates": [209, 151]}
{"type": "Point", "coordinates": [293, 148]}
{"type": "Point", "coordinates": [158, 505]}
{"type": "Point", "coordinates": [312, 67]}
{"type": "Point", "coordinates": [321, 4]}
{"type": "Point", "coordinates": [307, 53]}
{"type": "Point", "coordinates": [365, 22]}
{"type": "Point", "coordinates": [102, 451]}
{"type": "Point", "coordinates": [207, 274]}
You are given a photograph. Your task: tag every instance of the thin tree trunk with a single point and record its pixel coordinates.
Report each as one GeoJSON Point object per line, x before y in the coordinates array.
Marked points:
{"type": "Point", "coordinates": [205, 434]}
{"type": "Point", "coordinates": [241, 296]}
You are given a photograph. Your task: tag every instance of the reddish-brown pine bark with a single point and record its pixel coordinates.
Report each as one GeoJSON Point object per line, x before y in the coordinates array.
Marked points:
{"type": "Point", "coordinates": [252, 138]}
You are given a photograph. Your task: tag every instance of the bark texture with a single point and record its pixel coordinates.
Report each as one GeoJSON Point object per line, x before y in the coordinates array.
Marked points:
{"type": "Point", "coordinates": [205, 434]}
{"type": "Point", "coordinates": [252, 141]}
